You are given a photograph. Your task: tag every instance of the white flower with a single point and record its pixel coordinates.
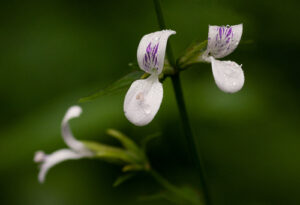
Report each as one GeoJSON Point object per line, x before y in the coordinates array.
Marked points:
{"type": "Point", "coordinates": [144, 97]}
{"type": "Point", "coordinates": [223, 40]}
{"type": "Point", "coordinates": [76, 149]}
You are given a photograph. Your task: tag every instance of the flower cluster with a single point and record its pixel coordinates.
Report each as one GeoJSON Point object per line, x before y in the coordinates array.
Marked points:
{"type": "Point", "coordinates": [144, 97]}
{"type": "Point", "coordinates": [223, 40]}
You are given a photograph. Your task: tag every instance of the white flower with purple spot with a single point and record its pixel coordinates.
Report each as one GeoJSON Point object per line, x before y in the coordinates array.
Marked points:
{"type": "Point", "coordinates": [223, 40]}
{"type": "Point", "coordinates": [76, 149]}
{"type": "Point", "coordinates": [144, 97]}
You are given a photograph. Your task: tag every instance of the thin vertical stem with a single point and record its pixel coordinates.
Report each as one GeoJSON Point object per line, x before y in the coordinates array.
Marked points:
{"type": "Point", "coordinates": [162, 25]}
{"type": "Point", "coordinates": [191, 139]}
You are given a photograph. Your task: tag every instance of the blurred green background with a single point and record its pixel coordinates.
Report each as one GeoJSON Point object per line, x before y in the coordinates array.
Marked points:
{"type": "Point", "coordinates": [54, 52]}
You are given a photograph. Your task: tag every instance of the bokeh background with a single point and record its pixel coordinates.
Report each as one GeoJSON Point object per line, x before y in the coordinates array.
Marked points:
{"type": "Point", "coordinates": [54, 52]}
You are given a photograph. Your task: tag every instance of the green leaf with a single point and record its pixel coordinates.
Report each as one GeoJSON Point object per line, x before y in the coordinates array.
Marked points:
{"type": "Point", "coordinates": [147, 139]}
{"type": "Point", "coordinates": [152, 197]}
{"type": "Point", "coordinates": [186, 196]}
{"type": "Point", "coordinates": [121, 179]}
{"type": "Point", "coordinates": [134, 167]}
{"type": "Point", "coordinates": [110, 153]}
{"type": "Point", "coordinates": [192, 54]}
{"type": "Point", "coordinates": [191, 194]}
{"type": "Point", "coordinates": [126, 142]}
{"type": "Point", "coordinates": [122, 83]}
{"type": "Point", "coordinates": [182, 195]}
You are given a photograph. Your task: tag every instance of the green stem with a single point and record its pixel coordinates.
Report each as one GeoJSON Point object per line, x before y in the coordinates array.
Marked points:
{"type": "Point", "coordinates": [191, 139]}
{"type": "Point", "coordinates": [162, 25]}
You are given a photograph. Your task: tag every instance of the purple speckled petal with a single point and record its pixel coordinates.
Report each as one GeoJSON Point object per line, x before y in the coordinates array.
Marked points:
{"type": "Point", "coordinates": [223, 40]}
{"type": "Point", "coordinates": [151, 51]}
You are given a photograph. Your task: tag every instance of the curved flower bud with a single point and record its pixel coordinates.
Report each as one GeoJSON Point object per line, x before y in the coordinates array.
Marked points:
{"type": "Point", "coordinates": [77, 149]}
{"type": "Point", "coordinates": [228, 75]}
{"type": "Point", "coordinates": [48, 161]}
{"type": "Point", "coordinates": [151, 51]}
{"type": "Point", "coordinates": [143, 100]}
{"type": "Point", "coordinates": [73, 112]}
{"type": "Point", "coordinates": [223, 40]}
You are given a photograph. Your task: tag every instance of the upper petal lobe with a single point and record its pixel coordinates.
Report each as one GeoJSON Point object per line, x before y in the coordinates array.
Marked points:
{"type": "Point", "coordinates": [223, 40]}
{"type": "Point", "coordinates": [151, 51]}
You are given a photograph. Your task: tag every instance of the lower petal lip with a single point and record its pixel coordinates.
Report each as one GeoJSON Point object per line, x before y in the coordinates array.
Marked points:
{"type": "Point", "coordinates": [143, 100]}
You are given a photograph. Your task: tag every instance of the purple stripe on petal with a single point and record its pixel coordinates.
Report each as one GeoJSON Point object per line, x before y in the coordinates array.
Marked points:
{"type": "Point", "coordinates": [229, 31]}
{"type": "Point", "coordinates": [156, 49]}
{"type": "Point", "coordinates": [148, 48]}
{"type": "Point", "coordinates": [150, 60]}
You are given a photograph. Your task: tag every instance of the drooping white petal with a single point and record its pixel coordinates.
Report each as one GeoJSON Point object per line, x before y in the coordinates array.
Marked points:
{"type": "Point", "coordinates": [151, 51]}
{"type": "Point", "coordinates": [51, 160]}
{"type": "Point", "coordinates": [228, 75]}
{"type": "Point", "coordinates": [68, 137]}
{"type": "Point", "coordinates": [222, 40]}
{"type": "Point", "coordinates": [143, 100]}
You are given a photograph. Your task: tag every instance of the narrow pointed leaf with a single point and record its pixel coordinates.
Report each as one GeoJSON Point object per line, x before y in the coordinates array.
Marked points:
{"type": "Point", "coordinates": [133, 167]}
{"type": "Point", "coordinates": [120, 84]}
{"type": "Point", "coordinates": [126, 141]}
{"type": "Point", "coordinates": [149, 138]}
{"type": "Point", "coordinates": [184, 196]}
{"type": "Point", "coordinates": [110, 153]}
{"type": "Point", "coordinates": [123, 178]}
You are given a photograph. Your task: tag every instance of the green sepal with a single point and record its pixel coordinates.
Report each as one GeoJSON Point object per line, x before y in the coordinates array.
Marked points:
{"type": "Point", "coordinates": [168, 69]}
{"type": "Point", "coordinates": [183, 196]}
{"type": "Point", "coordinates": [192, 54]}
{"type": "Point", "coordinates": [121, 179]}
{"type": "Point", "coordinates": [134, 167]}
{"type": "Point", "coordinates": [125, 141]}
{"type": "Point", "coordinates": [110, 153]}
{"type": "Point", "coordinates": [120, 84]}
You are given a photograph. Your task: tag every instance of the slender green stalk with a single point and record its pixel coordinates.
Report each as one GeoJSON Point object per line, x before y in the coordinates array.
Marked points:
{"type": "Point", "coordinates": [162, 25]}
{"type": "Point", "coordinates": [191, 139]}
